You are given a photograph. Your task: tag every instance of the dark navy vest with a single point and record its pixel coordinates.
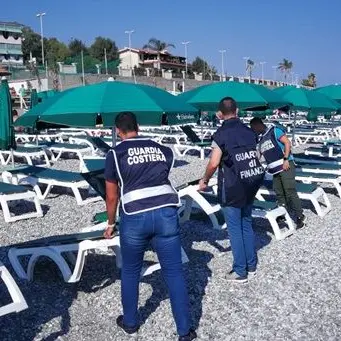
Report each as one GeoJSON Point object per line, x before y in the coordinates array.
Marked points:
{"type": "Point", "coordinates": [143, 168]}
{"type": "Point", "coordinates": [272, 152]}
{"type": "Point", "coordinates": [240, 173]}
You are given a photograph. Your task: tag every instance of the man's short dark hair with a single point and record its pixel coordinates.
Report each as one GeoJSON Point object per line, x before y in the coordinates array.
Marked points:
{"type": "Point", "coordinates": [228, 106]}
{"type": "Point", "coordinates": [126, 122]}
{"type": "Point", "coordinates": [256, 121]}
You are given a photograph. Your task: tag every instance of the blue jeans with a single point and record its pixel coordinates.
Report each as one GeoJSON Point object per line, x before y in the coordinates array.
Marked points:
{"type": "Point", "coordinates": [159, 227]}
{"type": "Point", "coordinates": [239, 226]}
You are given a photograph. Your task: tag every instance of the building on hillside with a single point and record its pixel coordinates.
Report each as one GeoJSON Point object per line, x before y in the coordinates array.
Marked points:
{"type": "Point", "coordinates": [10, 43]}
{"type": "Point", "coordinates": [146, 58]}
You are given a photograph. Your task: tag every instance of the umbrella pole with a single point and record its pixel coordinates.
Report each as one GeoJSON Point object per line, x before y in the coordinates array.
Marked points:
{"type": "Point", "coordinates": [12, 157]}
{"type": "Point", "coordinates": [294, 130]}
{"type": "Point", "coordinates": [113, 135]}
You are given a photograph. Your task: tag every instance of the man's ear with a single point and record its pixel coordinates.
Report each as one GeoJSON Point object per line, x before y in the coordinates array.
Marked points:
{"type": "Point", "coordinates": [237, 112]}
{"type": "Point", "coordinates": [117, 131]}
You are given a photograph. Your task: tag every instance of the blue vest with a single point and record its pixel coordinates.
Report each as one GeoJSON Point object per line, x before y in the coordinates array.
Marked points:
{"type": "Point", "coordinates": [240, 172]}
{"type": "Point", "coordinates": [272, 152]}
{"type": "Point", "coordinates": [143, 168]}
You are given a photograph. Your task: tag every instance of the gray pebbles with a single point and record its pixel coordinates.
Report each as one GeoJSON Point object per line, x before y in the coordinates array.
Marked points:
{"type": "Point", "coordinates": [295, 296]}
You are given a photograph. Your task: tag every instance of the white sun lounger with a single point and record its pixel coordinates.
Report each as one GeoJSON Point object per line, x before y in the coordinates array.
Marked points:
{"type": "Point", "coordinates": [18, 301]}
{"type": "Point", "coordinates": [306, 192]}
{"type": "Point", "coordinates": [58, 149]}
{"type": "Point", "coordinates": [330, 151]}
{"type": "Point", "coordinates": [73, 248]}
{"type": "Point", "coordinates": [268, 210]}
{"type": "Point", "coordinates": [10, 193]}
{"type": "Point", "coordinates": [311, 159]}
{"type": "Point", "coordinates": [34, 176]}
{"type": "Point", "coordinates": [26, 153]}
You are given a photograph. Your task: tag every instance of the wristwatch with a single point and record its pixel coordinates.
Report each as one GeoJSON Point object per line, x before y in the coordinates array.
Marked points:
{"type": "Point", "coordinates": [285, 159]}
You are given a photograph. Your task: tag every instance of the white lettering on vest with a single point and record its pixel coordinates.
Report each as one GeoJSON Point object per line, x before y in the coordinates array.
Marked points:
{"type": "Point", "coordinates": [251, 172]}
{"type": "Point", "coordinates": [246, 156]}
{"type": "Point", "coordinates": [145, 154]}
{"type": "Point", "coordinates": [266, 145]}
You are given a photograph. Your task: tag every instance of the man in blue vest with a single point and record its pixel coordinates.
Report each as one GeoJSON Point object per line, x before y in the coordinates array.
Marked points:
{"type": "Point", "coordinates": [136, 172]}
{"type": "Point", "coordinates": [239, 178]}
{"type": "Point", "coordinates": [275, 147]}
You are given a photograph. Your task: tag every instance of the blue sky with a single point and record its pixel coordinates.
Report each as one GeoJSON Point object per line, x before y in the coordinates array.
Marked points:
{"type": "Point", "coordinates": [307, 32]}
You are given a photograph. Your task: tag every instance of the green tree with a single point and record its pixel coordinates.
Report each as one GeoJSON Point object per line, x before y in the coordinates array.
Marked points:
{"type": "Point", "coordinates": [250, 65]}
{"type": "Point", "coordinates": [56, 51]}
{"type": "Point", "coordinates": [97, 49]}
{"type": "Point", "coordinates": [285, 66]}
{"type": "Point", "coordinates": [76, 46]}
{"type": "Point", "coordinates": [31, 43]}
{"type": "Point", "coordinates": [310, 80]}
{"type": "Point", "coordinates": [201, 66]}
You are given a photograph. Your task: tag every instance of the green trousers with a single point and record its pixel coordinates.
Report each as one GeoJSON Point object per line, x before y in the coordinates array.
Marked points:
{"type": "Point", "coordinates": [284, 185]}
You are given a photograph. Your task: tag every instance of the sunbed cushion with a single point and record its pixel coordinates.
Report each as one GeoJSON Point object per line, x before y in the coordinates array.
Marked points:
{"type": "Point", "coordinates": [317, 158]}
{"type": "Point", "coordinates": [48, 173]}
{"type": "Point", "coordinates": [301, 187]}
{"type": "Point", "coordinates": [318, 166]}
{"type": "Point", "coordinates": [62, 239]}
{"type": "Point", "coordinates": [94, 164]}
{"type": "Point", "coordinates": [27, 150]}
{"type": "Point", "coordinates": [67, 146]}
{"type": "Point", "coordinates": [193, 137]}
{"type": "Point", "coordinates": [11, 189]}
{"type": "Point", "coordinates": [317, 175]}
{"type": "Point", "coordinates": [264, 205]}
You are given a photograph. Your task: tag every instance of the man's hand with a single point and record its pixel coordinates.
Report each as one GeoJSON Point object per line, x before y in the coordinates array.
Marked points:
{"type": "Point", "coordinates": [286, 165]}
{"type": "Point", "coordinates": [109, 233]}
{"type": "Point", "coordinates": [202, 185]}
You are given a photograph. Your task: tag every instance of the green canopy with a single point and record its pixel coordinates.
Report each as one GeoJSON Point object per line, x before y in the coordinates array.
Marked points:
{"type": "Point", "coordinates": [307, 100]}
{"type": "Point", "coordinates": [34, 98]}
{"type": "Point", "coordinates": [7, 138]}
{"type": "Point", "coordinates": [79, 107]}
{"type": "Point", "coordinates": [332, 91]}
{"type": "Point", "coordinates": [46, 94]}
{"type": "Point", "coordinates": [247, 96]}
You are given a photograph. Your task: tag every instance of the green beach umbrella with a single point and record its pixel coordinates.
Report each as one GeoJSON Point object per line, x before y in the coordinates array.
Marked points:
{"type": "Point", "coordinates": [307, 100]}
{"type": "Point", "coordinates": [332, 91]}
{"type": "Point", "coordinates": [247, 96]}
{"type": "Point", "coordinates": [7, 138]}
{"type": "Point", "coordinates": [34, 98]}
{"type": "Point", "coordinates": [79, 107]}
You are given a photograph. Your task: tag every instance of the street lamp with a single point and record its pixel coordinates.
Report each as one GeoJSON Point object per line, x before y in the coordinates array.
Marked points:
{"type": "Point", "coordinates": [222, 63]}
{"type": "Point", "coordinates": [129, 44]}
{"type": "Point", "coordinates": [262, 64]}
{"type": "Point", "coordinates": [246, 61]}
{"type": "Point", "coordinates": [185, 43]}
{"type": "Point", "coordinates": [40, 15]}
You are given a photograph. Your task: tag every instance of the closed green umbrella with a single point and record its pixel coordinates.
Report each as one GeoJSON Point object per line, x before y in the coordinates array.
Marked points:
{"type": "Point", "coordinates": [247, 96]}
{"type": "Point", "coordinates": [7, 138]}
{"type": "Point", "coordinates": [34, 98]}
{"type": "Point", "coordinates": [79, 107]}
{"type": "Point", "coordinates": [332, 91]}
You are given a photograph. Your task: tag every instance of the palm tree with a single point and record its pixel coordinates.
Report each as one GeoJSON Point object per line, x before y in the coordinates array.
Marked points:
{"type": "Point", "coordinates": [312, 79]}
{"type": "Point", "coordinates": [159, 46]}
{"type": "Point", "coordinates": [250, 65]}
{"type": "Point", "coordinates": [285, 66]}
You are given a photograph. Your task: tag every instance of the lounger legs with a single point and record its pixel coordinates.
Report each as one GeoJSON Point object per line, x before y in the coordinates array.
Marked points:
{"type": "Point", "coordinates": [18, 299]}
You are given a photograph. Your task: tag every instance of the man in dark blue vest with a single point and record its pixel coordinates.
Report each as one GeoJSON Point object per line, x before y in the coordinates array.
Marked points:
{"type": "Point", "coordinates": [239, 178]}
{"type": "Point", "coordinates": [275, 147]}
{"type": "Point", "coordinates": [136, 172]}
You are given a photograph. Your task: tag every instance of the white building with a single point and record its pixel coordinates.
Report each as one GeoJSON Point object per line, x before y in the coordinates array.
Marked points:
{"type": "Point", "coordinates": [10, 43]}
{"type": "Point", "coordinates": [145, 58]}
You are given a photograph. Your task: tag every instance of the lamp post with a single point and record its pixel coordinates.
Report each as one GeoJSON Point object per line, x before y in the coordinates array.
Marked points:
{"type": "Point", "coordinates": [40, 15]}
{"type": "Point", "coordinates": [246, 60]}
{"type": "Point", "coordinates": [105, 61]}
{"type": "Point", "coordinates": [222, 63]}
{"type": "Point", "coordinates": [262, 64]}
{"type": "Point", "coordinates": [185, 43]}
{"type": "Point", "coordinates": [130, 32]}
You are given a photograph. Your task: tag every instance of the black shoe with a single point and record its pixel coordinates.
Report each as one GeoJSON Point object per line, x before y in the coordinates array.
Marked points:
{"type": "Point", "coordinates": [301, 222]}
{"type": "Point", "coordinates": [189, 337]}
{"type": "Point", "coordinates": [128, 330]}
